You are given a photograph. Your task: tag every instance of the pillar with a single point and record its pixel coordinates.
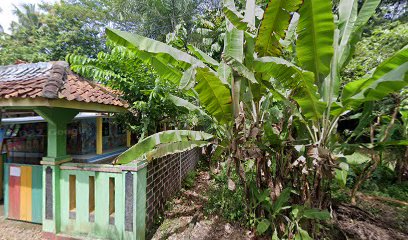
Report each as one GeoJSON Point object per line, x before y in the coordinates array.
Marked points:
{"type": "Point", "coordinates": [135, 179]}
{"type": "Point", "coordinates": [141, 184]}
{"type": "Point", "coordinates": [57, 119]}
{"type": "Point", "coordinates": [99, 143]}
{"type": "Point", "coordinates": [128, 139]}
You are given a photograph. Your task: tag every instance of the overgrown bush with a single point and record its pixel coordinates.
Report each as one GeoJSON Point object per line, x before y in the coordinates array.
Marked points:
{"type": "Point", "coordinates": [224, 202]}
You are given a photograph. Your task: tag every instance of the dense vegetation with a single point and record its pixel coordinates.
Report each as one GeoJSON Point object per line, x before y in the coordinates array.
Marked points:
{"type": "Point", "coordinates": [304, 102]}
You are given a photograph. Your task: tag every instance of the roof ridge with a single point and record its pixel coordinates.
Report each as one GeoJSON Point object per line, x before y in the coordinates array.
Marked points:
{"type": "Point", "coordinates": [56, 78]}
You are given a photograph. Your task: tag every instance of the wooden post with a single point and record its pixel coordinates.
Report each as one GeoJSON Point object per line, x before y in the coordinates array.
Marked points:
{"type": "Point", "coordinates": [128, 139]}
{"type": "Point", "coordinates": [99, 144]}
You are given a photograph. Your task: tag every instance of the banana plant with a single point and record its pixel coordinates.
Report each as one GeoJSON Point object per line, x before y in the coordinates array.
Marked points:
{"type": "Point", "coordinates": [402, 164]}
{"type": "Point", "coordinates": [254, 81]}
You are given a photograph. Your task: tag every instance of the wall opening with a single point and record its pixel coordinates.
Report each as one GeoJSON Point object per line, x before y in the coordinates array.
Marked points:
{"type": "Point", "coordinates": [91, 198]}
{"type": "Point", "coordinates": [112, 200]}
{"type": "Point", "coordinates": [72, 196]}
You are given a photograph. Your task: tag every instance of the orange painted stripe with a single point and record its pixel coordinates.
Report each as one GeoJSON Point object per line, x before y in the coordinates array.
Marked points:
{"type": "Point", "coordinates": [26, 193]}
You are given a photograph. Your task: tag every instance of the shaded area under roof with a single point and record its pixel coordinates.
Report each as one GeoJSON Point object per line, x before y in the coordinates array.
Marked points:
{"type": "Point", "coordinates": [35, 119]}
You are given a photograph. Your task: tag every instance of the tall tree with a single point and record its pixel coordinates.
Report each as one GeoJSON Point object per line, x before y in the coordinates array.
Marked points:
{"type": "Point", "coordinates": [48, 32]}
{"type": "Point", "coordinates": [153, 18]}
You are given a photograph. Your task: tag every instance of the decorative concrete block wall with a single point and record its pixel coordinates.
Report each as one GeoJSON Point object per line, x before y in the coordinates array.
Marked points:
{"type": "Point", "coordinates": [164, 179]}
{"type": "Point", "coordinates": [101, 201]}
{"type": "Point", "coordinates": [95, 201]}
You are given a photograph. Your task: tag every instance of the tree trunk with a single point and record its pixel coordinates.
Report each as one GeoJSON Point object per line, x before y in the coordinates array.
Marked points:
{"type": "Point", "coordinates": [402, 167]}
{"type": "Point", "coordinates": [364, 175]}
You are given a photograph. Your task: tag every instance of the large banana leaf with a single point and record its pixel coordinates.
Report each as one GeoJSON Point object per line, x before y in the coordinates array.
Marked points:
{"type": "Point", "coordinates": [250, 9]}
{"type": "Point", "coordinates": [166, 71]}
{"type": "Point", "coordinates": [234, 43]}
{"type": "Point", "coordinates": [331, 84]}
{"type": "Point", "coordinates": [240, 68]}
{"type": "Point", "coordinates": [187, 81]}
{"type": "Point", "coordinates": [275, 21]}
{"type": "Point", "coordinates": [366, 12]}
{"type": "Point", "coordinates": [289, 76]}
{"type": "Point", "coordinates": [233, 16]}
{"type": "Point", "coordinates": [351, 25]}
{"type": "Point", "coordinates": [347, 19]}
{"type": "Point", "coordinates": [166, 53]}
{"type": "Point", "coordinates": [150, 144]}
{"type": "Point", "coordinates": [234, 47]}
{"type": "Point", "coordinates": [203, 56]}
{"type": "Point", "coordinates": [213, 95]}
{"type": "Point", "coordinates": [291, 32]}
{"type": "Point", "coordinates": [225, 73]}
{"type": "Point", "coordinates": [388, 77]}
{"type": "Point", "coordinates": [176, 147]}
{"type": "Point", "coordinates": [315, 30]}
{"type": "Point", "coordinates": [186, 104]}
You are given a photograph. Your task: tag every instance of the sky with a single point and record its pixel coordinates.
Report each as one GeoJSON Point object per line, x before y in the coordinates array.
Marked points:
{"type": "Point", "coordinates": [6, 16]}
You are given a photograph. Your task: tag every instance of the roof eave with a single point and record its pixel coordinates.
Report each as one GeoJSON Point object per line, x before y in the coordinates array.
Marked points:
{"type": "Point", "coordinates": [32, 103]}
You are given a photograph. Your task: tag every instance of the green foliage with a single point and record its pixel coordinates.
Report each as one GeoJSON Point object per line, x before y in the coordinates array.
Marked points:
{"type": "Point", "coordinates": [189, 181]}
{"type": "Point", "coordinates": [120, 69]}
{"type": "Point", "coordinates": [224, 202]}
{"type": "Point", "coordinates": [376, 46]}
{"type": "Point", "coordinates": [275, 21]}
{"type": "Point", "coordinates": [295, 153]}
{"type": "Point", "coordinates": [315, 41]}
{"type": "Point", "coordinates": [152, 18]}
{"type": "Point", "coordinates": [383, 183]}
{"type": "Point", "coordinates": [47, 33]}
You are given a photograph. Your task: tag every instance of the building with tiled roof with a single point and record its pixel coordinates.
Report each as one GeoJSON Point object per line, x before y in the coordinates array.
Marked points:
{"type": "Point", "coordinates": [53, 84]}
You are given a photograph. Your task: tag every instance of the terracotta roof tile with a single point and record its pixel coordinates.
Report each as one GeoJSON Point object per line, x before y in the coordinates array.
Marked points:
{"type": "Point", "coordinates": [53, 80]}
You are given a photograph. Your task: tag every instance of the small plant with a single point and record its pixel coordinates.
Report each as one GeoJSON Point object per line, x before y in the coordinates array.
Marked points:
{"type": "Point", "coordinates": [228, 204]}
{"type": "Point", "coordinates": [190, 180]}
{"type": "Point", "coordinates": [297, 218]}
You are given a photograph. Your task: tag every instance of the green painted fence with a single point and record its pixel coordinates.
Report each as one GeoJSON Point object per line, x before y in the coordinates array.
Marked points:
{"type": "Point", "coordinates": [99, 202]}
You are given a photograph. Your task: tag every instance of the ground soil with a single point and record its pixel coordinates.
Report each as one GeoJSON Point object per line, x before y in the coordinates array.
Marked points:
{"type": "Point", "coordinates": [185, 218]}
{"type": "Point", "coordinates": [16, 230]}
{"type": "Point", "coordinates": [370, 219]}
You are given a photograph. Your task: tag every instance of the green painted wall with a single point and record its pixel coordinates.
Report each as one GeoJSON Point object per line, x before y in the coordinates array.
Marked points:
{"type": "Point", "coordinates": [140, 189]}
{"type": "Point", "coordinates": [101, 227]}
{"type": "Point", "coordinates": [37, 191]}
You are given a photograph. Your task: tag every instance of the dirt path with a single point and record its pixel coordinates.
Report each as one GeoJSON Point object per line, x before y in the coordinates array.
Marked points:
{"type": "Point", "coordinates": [16, 230]}
{"type": "Point", "coordinates": [372, 220]}
{"type": "Point", "coordinates": [185, 219]}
